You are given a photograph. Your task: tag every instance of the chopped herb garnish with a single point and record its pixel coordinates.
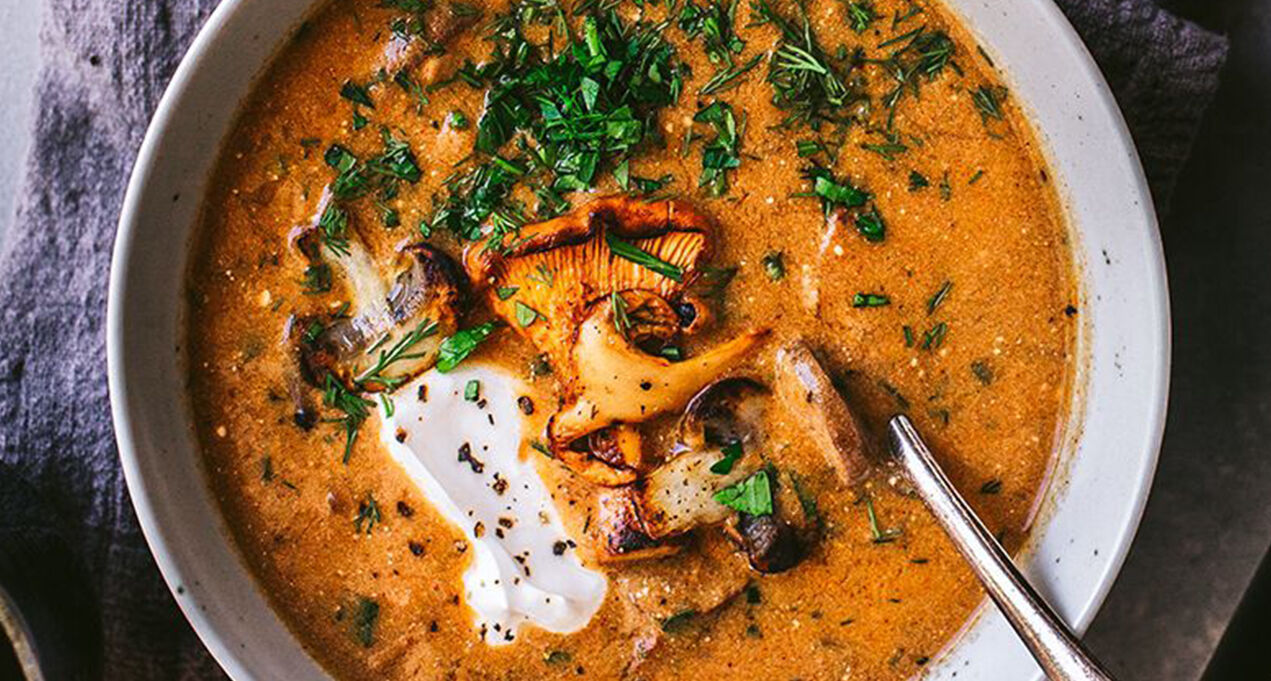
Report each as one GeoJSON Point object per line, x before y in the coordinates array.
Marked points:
{"type": "Point", "coordinates": [365, 620]}
{"type": "Point", "coordinates": [888, 149]}
{"type": "Point", "coordinates": [917, 181]}
{"type": "Point", "coordinates": [472, 391]}
{"type": "Point", "coordinates": [266, 469]}
{"type": "Point", "coordinates": [713, 21]}
{"type": "Point", "coordinates": [732, 453]}
{"type": "Point", "coordinates": [721, 154]}
{"type": "Point", "coordinates": [317, 279]}
{"type": "Point", "coordinates": [356, 409]}
{"type": "Point", "coordinates": [752, 496]}
{"type": "Point", "coordinates": [621, 322]}
{"type": "Point", "coordinates": [939, 297]}
{"type": "Point", "coordinates": [525, 315]}
{"type": "Point", "coordinates": [774, 265]}
{"type": "Point", "coordinates": [833, 193]}
{"type": "Point", "coordinates": [401, 350]}
{"type": "Point", "coordinates": [982, 371]}
{"type": "Point", "coordinates": [679, 621]}
{"type": "Point", "coordinates": [558, 657]}
{"type": "Point", "coordinates": [808, 148]}
{"type": "Point", "coordinates": [672, 353]}
{"type": "Point", "coordinates": [909, 335]}
{"type": "Point", "coordinates": [871, 226]}
{"type": "Point", "coordinates": [753, 597]}
{"type": "Point", "coordinates": [806, 83]}
{"type": "Point", "coordinates": [946, 190]}
{"type": "Point", "coordinates": [628, 251]}
{"type": "Point", "coordinates": [992, 486]}
{"type": "Point", "coordinates": [976, 177]}
{"type": "Point", "coordinates": [870, 300]}
{"type": "Point", "coordinates": [357, 94]}
{"type": "Point", "coordinates": [880, 536]}
{"type": "Point", "coordinates": [457, 120]}
{"type": "Point", "coordinates": [729, 78]}
{"type": "Point", "coordinates": [505, 292]}
{"type": "Point", "coordinates": [542, 449]}
{"type": "Point", "coordinates": [935, 337]}
{"type": "Point", "coordinates": [368, 515]}
{"type": "Point", "coordinates": [456, 348]}
{"type": "Point", "coordinates": [988, 101]}
{"type": "Point", "coordinates": [807, 502]}
{"type": "Point", "coordinates": [861, 15]}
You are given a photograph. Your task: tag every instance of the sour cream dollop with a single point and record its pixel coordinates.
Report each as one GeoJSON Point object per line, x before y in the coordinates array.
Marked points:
{"type": "Point", "coordinates": [460, 437]}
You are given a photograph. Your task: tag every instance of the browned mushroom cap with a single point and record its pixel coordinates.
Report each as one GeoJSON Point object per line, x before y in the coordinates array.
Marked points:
{"type": "Point", "coordinates": [561, 267]}
{"type": "Point", "coordinates": [809, 395]}
{"type": "Point", "coordinates": [405, 319]}
{"type": "Point", "coordinates": [620, 530]}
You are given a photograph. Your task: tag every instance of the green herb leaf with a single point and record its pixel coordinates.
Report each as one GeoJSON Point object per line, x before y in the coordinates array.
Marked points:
{"type": "Point", "coordinates": [752, 496]}
{"type": "Point", "coordinates": [472, 390]}
{"type": "Point", "coordinates": [525, 315]}
{"type": "Point", "coordinates": [628, 251]}
{"type": "Point", "coordinates": [456, 348]}
{"type": "Point", "coordinates": [939, 297]}
{"type": "Point", "coordinates": [365, 621]}
{"type": "Point", "coordinates": [992, 486]}
{"type": "Point", "coordinates": [871, 226]}
{"type": "Point", "coordinates": [870, 300]}
{"type": "Point", "coordinates": [368, 515]}
{"type": "Point", "coordinates": [679, 621]}
{"type": "Point", "coordinates": [774, 265]}
{"type": "Point", "coordinates": [357, 94]}
{"type": "Point", "coordinates": [861, 15]}
{"type": "Point", "coordinates": [917, 181]}
{"type": "Point", "coordinates": [880, 536]}
{"type": "Point", "coordinates": [732, 453]}
{"type": "Point", "coordinates": [505, 292]}
{"type": "Point", "coordinates": [982, 371]}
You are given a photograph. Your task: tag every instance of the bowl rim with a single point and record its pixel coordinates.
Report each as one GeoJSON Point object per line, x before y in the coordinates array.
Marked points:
{"type": "Point", "coordinates": [214, 31]}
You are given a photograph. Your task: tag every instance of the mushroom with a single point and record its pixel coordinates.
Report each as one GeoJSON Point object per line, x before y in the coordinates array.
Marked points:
{"type": "Point", "coordinates": [719, 438]}
{"type": "Point", "coordinates": [617, 382]}
{"type": "Point", "coordinates": [807, 392]}
{"type": "Point", "coordinates": [395, 330]}
{"type": "Point", "coordinates": [596, 291]}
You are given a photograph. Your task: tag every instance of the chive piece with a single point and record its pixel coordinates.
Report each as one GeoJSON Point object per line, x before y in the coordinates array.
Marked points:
{"type": "Point", "coordinates": [938, 299]}
{"type": "Point", "coordinates": [774, 265]}
{"type": "Point", "coordinates": [935, 337]}
{"type": "Point", "coordinates": [732, 452]}
{"type": "Point", "coordinates": [976, 177]}
{"type": "Point", "coordinates": [456, 348]}
{"type": "Point", "coordinates": [628, 251]}
{"type": "Point", "coordinates": [472, 391]}
{"type": "Point", "coordinates": [870, 300]}
{"type": "Point", "coordinates": [909, 335]}
{"type": "Point", "coordinates": [880, 536]}
{"type": "Point", "coordinates": [672, 352]}
{"type": "Point", "coordinates": [946, 190]}
{"type": "Point", "coordinates": [992, 486]}
{"type": "Point", "coordinates": [752, 496]}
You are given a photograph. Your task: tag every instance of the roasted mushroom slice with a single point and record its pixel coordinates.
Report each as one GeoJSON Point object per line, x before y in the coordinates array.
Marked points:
{"type": "Point", "coordinates": [561, 267]}
{"type": "Point", "coordinates": [394, 331]}
{"type": "Point", "coordinates": [622, 535]}
{"type": "Point", "coordinates": [597, 291]}
{"type": "Point", "coordinates": [807, 392]}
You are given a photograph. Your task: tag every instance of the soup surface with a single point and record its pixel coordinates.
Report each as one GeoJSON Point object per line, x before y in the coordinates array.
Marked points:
{"type": "Point", "coordinates": [462, 268]}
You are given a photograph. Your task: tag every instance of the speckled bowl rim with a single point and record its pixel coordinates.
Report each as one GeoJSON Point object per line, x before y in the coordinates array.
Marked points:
{"type": "Point", "coordinates": [1117, 418]}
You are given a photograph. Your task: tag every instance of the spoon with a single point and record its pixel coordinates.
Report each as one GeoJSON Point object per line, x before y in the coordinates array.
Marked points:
{"type": "Point", "coordinates": [1054, 646]}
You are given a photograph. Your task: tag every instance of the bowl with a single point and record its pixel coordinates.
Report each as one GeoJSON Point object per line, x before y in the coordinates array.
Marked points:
{"type": "Point", "coordinates": [1088, 514]}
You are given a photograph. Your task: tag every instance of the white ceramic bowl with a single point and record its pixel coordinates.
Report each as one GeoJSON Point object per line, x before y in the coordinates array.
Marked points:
{"type": "Point", "coordinates": [1088, 517]}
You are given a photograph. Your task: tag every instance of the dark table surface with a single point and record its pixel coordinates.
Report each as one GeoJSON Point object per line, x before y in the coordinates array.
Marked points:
{"type": "Point", "coordinates": [1209, 519]}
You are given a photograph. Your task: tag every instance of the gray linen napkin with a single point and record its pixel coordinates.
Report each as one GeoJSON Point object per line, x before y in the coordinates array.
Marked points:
{"type": "Point", "coordinates": [106, 62]}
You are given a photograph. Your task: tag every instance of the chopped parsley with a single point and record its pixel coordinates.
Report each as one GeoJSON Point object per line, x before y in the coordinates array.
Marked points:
{"type": "Point", "coordinates": [455, 349]}
{"type": "Point", "coordinates": [721, 154]}
{"type": "Point", "coordinates": [525, 315]}
{"type": "Point", "coordinates": [992, 486]}
{"type": "Point", "coordinates": [752, 496]}
{"type": "Point", "coordinates": [938, 298]}
{"type": "Point", "coordinates": [368, 515]}
{"type": "Point", "coordinates": [917, 181]}
{"type": "Point", "coordinates": [365, 620]}
{"type": "Point", "coordinates": [870, 300]}
{"type": "Point", "coordinates": [806, 82]}
{"type": "Point", "coordinates": [472, 391]}
{"type": "Point", "coordinates": [732, 453]}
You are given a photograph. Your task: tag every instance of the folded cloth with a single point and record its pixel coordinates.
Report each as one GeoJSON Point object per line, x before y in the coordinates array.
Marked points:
{"type": "Point", "coordinates": [106, 63]}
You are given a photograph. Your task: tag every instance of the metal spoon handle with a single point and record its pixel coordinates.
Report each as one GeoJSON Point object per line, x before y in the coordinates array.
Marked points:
{"type": "Point", "coordinates": [1059, 653]}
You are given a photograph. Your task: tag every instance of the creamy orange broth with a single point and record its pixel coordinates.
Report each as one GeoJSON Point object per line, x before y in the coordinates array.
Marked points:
{"type": "Point", "coordinates": [855, 608]}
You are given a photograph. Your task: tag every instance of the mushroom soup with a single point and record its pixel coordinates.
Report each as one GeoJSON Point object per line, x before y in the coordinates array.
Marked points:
{"type": "Point", "coordinates": [544, 339]}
